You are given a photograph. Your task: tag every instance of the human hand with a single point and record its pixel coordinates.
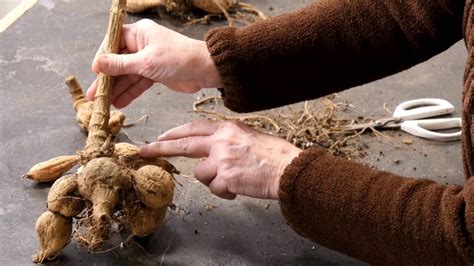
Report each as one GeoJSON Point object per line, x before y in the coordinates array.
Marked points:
{"type": "Point", "coordinates": [239, 159]}
{"type": "Point", "coordinates": [152, 53]}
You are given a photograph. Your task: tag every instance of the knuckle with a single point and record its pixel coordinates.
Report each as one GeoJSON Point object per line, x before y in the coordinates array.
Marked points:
{"type": "Point", "coordinates": [182, 144]}
{"type": "Point", "coordinates": [149, 65]}
{"type": "Point", "coordinates": [231, 128]}
{"type": "Point", "coordinates": [231, 124]}
{"type": "Point", "coordinates": [192, 126]}
{"type": "Point", "coordinates": [120, 64]}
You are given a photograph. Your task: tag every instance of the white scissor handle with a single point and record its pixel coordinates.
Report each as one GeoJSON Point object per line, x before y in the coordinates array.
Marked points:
{"type": "Point", "coordinates": [422, 108]}
{"type": "Point", "coordinates": [423, 128]}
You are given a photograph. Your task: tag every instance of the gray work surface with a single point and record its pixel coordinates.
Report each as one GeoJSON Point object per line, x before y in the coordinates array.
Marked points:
{"type": "Point", "coordinates": [58, 38]}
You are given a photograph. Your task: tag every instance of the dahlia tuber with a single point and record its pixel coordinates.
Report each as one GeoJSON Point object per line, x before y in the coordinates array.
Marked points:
{"type": "Point", "coordinates": [136, 6]}
{"type": "Point", "coordinates": [102, 181]}
{"type": "Point", "coordinates": [128, 153]}
{"type": "Point", "coordinates": [84, 108]}
{"type": "Point", "coordinates": [54, 233]}
{"type": "Point", "coordinates": [114, 187]}
{"type": "Point", "coordinates": [125, 149]}
{"type": "Point", "coordinates": [145, 220]}
{"type": "Point", "coordinates": [51, 169]}
{"type": "Point", "coordinates": [154, 186]}
{"type": "Point", "coordinates": [116, 122]}
{"type": "Point", "coordinates": [184, 7]}
{"type": "Point", "coordinates": [63, 197]}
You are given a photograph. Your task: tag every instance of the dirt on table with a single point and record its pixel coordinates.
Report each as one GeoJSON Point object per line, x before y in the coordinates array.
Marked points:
{"type": "Point", "coordinates": [305, 127]}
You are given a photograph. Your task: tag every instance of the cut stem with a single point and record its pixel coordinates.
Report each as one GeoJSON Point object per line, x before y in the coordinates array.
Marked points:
{"type": "Point", "coordinates": [98, 126]}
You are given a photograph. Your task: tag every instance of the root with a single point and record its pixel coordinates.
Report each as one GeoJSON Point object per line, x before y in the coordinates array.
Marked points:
{"type": "Point", "coordinates": [203, 20]}
{"type": "Point", "coordinates": [143, 117]}
{"type": "Point", "coordinates": [249, 8]}
{"type": "Point", "coordinates": [226, 14]}
{"type": "Point", "coordinates": [245, 119]}
{"type": "Point", "coordinates": [231, 10]}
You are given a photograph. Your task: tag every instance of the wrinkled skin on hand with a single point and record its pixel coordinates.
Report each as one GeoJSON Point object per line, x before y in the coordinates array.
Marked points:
{"type": "Point", "coordinates": [238, 160]}
{"type": "Point", "coordinates": [152, 53]}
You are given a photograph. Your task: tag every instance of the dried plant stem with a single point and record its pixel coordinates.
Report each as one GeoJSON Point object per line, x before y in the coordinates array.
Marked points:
{"type": "Point", "coordinates": [97, 145]}
{"type": "Point", "coordinates": [131, 124]}
{"type": "Point", "coordinates": [249, 8]}
{"type": "Point", "coordinates": [244, 118]}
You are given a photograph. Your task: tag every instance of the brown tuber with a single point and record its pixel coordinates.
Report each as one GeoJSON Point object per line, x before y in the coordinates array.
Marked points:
{"type": "Point", "coordinates": [145, 220]}
{"type": "Point", "coordinates": [101, 181]}
{"type": "Point", "coordinates": [84, 108]}
{"type": "Point", "coordinates": [128, 153]}
{"type": "Point", "coordinates": [52, 169]}
{"type": "Point", "coordinates": [125, 149]}
{"type": "Point", "coordinates": [54, 233]}
{"type": "Point", "coordinates": [154, 186]}
{"type": "Point", "coordinates": [184, 8]}
{"type": "Point", "coordinates": [63, 197]}
{"type": "Point", "coordinates": [114, 188]}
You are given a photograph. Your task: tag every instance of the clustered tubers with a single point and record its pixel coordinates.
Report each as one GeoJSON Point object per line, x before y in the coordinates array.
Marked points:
{"type": "Point", "coordinates": [114, 189]}
{"type": "Point", "coordinates": [184, 8]}
{"type": "Point", "coordinates": [84, 108]}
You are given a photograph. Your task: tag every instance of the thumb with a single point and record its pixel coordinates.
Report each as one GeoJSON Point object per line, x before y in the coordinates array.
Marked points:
{"type": "Point", "coordinates": [117, 64]}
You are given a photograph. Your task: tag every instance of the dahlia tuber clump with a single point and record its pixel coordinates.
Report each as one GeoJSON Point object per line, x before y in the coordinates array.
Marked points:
{"type": "Point", "coordinates": [114, 189]}
{"type": "Point", "coordinates": [184, 8]}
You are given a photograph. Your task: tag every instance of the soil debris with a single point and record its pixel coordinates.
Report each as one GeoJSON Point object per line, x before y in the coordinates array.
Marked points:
{"type": "Point", "coordinates": [210, 207]}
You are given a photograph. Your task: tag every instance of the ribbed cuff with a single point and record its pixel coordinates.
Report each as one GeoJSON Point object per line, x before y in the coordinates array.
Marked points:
{"type": "Point", "coordinates": [290, 179]}
{"type": "Point", "coordinates": [221, 43]}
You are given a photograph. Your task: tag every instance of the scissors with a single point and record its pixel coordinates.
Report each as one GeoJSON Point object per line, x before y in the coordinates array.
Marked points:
{"type": "Point", "coordinates": [409, 117]}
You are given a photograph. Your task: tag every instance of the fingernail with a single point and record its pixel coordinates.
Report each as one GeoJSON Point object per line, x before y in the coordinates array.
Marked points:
{"type": "Point", "coordinates": [161, 137]}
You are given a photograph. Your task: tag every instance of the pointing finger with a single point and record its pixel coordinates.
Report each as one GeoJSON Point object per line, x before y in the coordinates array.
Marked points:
{"type": "Point", "coordinates": [195, 128]}
{"type": "Point", "coordinates": [192, 147]}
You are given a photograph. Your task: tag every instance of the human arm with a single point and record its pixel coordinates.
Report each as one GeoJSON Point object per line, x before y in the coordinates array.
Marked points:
{"type": "Point", "coordinates": [329, 46]}
{"type": "Point", "coordinates": [326, 47]}
{"type": "Point", "coordinates": [376, 216]}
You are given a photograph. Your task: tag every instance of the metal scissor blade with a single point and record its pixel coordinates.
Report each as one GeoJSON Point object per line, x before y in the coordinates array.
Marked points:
{"type": "Point", "coordinates": [355, 127]}
{"type": "Point", "coordinates": [390, 122]}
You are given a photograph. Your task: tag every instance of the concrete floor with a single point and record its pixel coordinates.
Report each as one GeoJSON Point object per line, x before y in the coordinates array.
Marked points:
{"type": "Point", "coordinates": [37, 123]}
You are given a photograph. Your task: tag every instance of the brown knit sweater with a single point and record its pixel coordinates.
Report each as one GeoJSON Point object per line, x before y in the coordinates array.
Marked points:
{"type": "Point", "coordinates": [329, 46]}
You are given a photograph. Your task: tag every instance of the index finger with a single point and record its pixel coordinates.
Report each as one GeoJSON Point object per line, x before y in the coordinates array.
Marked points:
{"type": "Point", "coordinates": [195, 128]}
{"type": "Point", "coordinates": [191, 147]}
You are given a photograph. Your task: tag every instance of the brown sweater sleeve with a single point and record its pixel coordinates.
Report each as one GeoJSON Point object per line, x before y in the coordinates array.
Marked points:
{"type": "Point", "coordinates": [376, 216]}
{"type": "Point", "coordinates": [327, 47]}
